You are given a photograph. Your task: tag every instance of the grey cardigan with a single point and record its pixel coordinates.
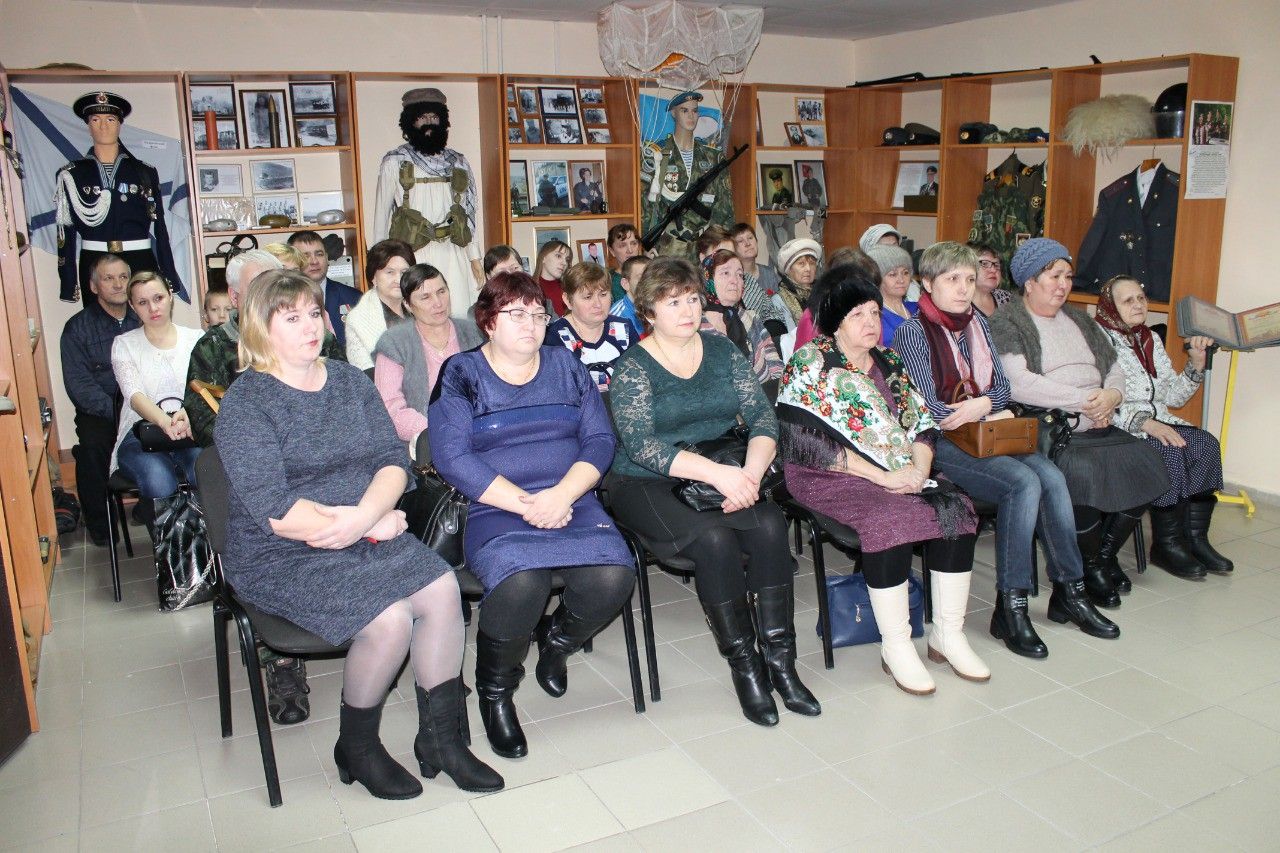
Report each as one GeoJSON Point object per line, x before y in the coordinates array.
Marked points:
{"type": "Point", "coordinates": [403, 345]}
{"type": "Point", "coordinates": [1014, 333]}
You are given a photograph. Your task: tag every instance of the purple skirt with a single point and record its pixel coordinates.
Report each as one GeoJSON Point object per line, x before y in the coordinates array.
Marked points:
{"type": "Point", "coordinates": [882, 518]}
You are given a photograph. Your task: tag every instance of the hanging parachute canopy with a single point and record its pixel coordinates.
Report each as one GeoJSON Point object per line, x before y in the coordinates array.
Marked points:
{"type": "Point", "coordinates": [678, 45]}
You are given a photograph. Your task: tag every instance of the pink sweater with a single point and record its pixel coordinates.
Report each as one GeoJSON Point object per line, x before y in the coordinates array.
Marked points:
{"type": "Point", "coordinates": [388, 377]}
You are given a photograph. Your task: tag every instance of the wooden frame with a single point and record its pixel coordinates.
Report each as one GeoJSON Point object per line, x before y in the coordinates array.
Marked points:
{"type": "Point", "coordinates": [282, 112]}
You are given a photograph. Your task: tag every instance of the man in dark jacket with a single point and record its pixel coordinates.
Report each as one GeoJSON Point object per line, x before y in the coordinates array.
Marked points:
{"type": "Point", "coordinates": [338, 297]}
{"type": "Point", "coordinates": [91, 383]}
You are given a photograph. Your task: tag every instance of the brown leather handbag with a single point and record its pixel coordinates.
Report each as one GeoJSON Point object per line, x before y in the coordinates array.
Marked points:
{"type": "Point", "coordinates": [1003, 437]}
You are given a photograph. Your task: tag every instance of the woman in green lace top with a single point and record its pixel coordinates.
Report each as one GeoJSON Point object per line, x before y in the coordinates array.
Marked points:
{"type": "Point", "coordinates": [683, 385]}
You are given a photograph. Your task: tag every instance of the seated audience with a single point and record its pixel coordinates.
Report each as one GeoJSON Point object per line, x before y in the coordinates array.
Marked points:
{"type": "Point", "coordinates": [382, 306]}
{"type": "Point", "coordinates": [1192, 457]}
{"type": "Point", "coordinates": [553, 259]}
{"type": "Point", "coordinates": [589, 331]}
{"type": "Point", "coordinates": [682, 385]}
{"type": "Point", "coordinates": [315, 471]}
{"type": "Point", "coordinates": [632, 269]}
{"type": "Point", "coordinates": [798, 262]}
{"type": "Point", "coordinates": [91, 384]}
{"type": "Point", "coordinates": [1056, 357]}
{"type": "Point", "coordinates": [990, 295]}
{"type": "Point", "coordinates": [338, 298]}
{"type": "Point", "coordinates": [624, 243]}
{"type": "Point", "coordinates": [951, 360]}
{"type": "Point", "coordinates": [722, 277]}
{"type": "Point", "coordinates": [761, 281]}
{"type": "Point", "coordinates": [217, 307]}
{"type": "Point", "coordinates": [857, 440]}
{"type": "Point", "coordinates": [521, 430]}
{"type": "Point", "coordinates": [895, 277]}
{"type": "Point", "coordinates": [409, 356]}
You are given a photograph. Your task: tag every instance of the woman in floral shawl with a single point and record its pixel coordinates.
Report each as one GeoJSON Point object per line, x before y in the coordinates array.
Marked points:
{"type": "Point", "coordinates": [857, 440]}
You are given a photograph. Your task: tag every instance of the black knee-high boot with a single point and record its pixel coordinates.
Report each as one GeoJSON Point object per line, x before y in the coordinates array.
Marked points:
{"type": "Point", "coordinates": [730, 623]}
{"type": "Point", "coordinates": [560, 635]}
{"type": "Point", "coordinates": [499, 669]}
{"type": "Point", "coordinates": [1097, 575]}
{"type": "Point", "coordinates": [775, 627]}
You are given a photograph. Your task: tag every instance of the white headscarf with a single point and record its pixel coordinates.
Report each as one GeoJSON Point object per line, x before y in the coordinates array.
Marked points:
{"type": "Point", "coordinates": [872, 236]}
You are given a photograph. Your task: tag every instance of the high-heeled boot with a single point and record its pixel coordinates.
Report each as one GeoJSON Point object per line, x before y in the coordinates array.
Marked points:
{"type": "Point", "coordinates": [776, 630]}
{"type": "Point", "coordinates": [1199, 516]}
{"type": "Point", "coordinates": [1170, 548]}
{"type": "Point", "coordinates": [499, 669]}
{"type": "Point", "coordinates": [730, 623]}
{"type": "Point", "coordinates": [898, 656]}
{"type": "Point", "coordinates": [362, 758]}
{"type": "Point", "coordinates": [1012, 623]}
{"type": "Point", "coordinates": [439, 745]}
{"type": "Point", "coordinates": [1097, 574]}
{"type": "Point", "coordinates": [947, 642]}
{"type": "Point", "coordinates": [560, 635]}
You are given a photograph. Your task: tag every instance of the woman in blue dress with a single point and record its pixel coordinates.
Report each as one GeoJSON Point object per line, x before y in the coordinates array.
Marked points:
{"type": "Point", "coordinates": [521, 430]}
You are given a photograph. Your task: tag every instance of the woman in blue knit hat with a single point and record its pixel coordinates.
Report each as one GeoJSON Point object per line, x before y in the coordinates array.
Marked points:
{"type": "Point", "coordinates": [1056, 357]}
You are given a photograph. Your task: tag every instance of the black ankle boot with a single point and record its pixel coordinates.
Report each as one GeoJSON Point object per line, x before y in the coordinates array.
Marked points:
{"type": "Point", "coordinates": [1070, 603]}
{"type": "Point", "coordinates": [1011, 622]}
{"type": "Point", "coordinates": [1169, 548]}
{"type": "Point", "coordinates": [499, 669]}
{"type": "Point", "coordinates": [560, 635]}
{"type": "Point", "coordinates": [730, 624]}
{"type": "Point", "coordinates": [1199, 516]}
{"type": "Point", "coordinates": [439, 745]}
{"type": "Point", "coordinates": [1097, 574]}
{"type": "Point", "coordinates": [775, 627]}
{"type": "Point", "coordinates": [362, 758]}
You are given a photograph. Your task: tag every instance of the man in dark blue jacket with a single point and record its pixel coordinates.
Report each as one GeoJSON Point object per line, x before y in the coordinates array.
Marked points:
{"type": "Point", "coordinates": [338, 297]}
{"type": "Point", "coordinates": [91, 383]}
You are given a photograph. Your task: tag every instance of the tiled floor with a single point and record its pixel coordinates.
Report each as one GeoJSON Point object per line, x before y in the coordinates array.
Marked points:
{"type": "Point", "coordinates": [1166, 739]}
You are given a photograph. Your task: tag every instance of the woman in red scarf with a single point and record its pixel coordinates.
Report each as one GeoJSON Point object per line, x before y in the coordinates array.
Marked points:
{"type": "Point", "coordinates": [1180, 517]}
{"type": "Point", "coordinates": [952, 361]}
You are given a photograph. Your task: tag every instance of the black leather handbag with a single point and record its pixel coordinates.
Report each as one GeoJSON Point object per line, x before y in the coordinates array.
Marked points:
{"type": "Point", "coordinates": [1054, 428]}
{"type": "Point", "coordinates": [727, 449]}
{"type": "Point", "coordinates": [154, 439]}
{"type": "Point", "coordinates": [436, 513]}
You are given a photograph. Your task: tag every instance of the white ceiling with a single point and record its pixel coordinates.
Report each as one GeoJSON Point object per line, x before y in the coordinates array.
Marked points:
{"type": "Point", "coordinates": [849, 19]}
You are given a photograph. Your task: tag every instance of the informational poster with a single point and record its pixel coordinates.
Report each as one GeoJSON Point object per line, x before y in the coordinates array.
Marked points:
{"type": "Point", "coordinates": [1209, 153]}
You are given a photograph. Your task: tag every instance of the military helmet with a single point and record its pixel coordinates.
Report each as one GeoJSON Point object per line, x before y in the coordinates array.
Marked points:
{"type": "Point", "coordinates": [1170, 112]}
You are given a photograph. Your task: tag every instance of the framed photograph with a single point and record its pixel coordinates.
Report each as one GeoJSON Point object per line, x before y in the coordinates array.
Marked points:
{"type": "Point", "coordinates": [280, 204]}
{"type": "Point", "coordinates": [314, 99]}
{"type": "Point", "coordinates": [219, 97]}
{"type": "Point", "coordinates": [238, 210]}
{"type": "Point", "coordinates": [815, 135]}
{"type": "Point", "coordinates": [591, 96]}
{"type": "Point", "coordinates": [795, 136]}
{"type": "Point", "coordinates": [512, 116]}
{"type": "Point", "coordinates": [810, 108]}
{"type": "Point", "coordinates": [594, 115]}
{"type": "Point", "coordinates": [225, 179]}
{"type": "Point", "coordinates": [312, 205]}
{"type": "Point", "coordinates": [228, 134]}
{"type": "Point", "coordinates": [559, 100]}
{"type": "Point", "coordinates": [592, 252]}
{"type": "Point", "coordinates": [533, 131]}
{"type": "Point", "coordinates": [545, 234]}
{"type": "Point", "coordinates": [511, 93]}
{"type": "Point", "coordinates": [563, 131]}
{"type": "Point", "coordinates": [586, 177]}
{"type": "Point", "coordinates": [600, 135]}
{"type": "Point", "coordinates": [914, 178]}
{"type": "Point", "coordinates": [527, 96]}
{"type": "Point", "coordinates": [777, 186]}
{"type": "Point", "coordinates": [266, 118]}
{"type": "Point", "coordinates": [518, 170]}
{"type": "Point", "coordinates": [316, 132]}
{"type": "Point", "coordinates": [811, 175]}
{"type": "Point", "coordinates": [549, 180]}
{"type": "Point", "coordinates": [272, 176]}
{"type": "Point", "coordinates": [515, 135]}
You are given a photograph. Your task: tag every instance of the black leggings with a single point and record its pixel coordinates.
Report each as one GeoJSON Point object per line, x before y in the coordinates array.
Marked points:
{"type": "Point", "coordinates": [593, 593]}
{"type": "Point", "coordinates": [717, 558]}
{"type": "Point", "coordinates": [888, 568]}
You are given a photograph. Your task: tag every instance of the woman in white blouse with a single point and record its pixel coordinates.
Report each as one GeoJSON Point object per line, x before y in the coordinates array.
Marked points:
{"type": "Point", "coordinates": [382, 306]}
{"type": "Point", "coordinates": [150, 364]}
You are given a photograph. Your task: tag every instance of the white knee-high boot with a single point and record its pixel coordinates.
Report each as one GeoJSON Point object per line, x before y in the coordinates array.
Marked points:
{"type": "Point", "coordinates": [898, 656]}
{"type": "Point", "coordinates": [947, 643]}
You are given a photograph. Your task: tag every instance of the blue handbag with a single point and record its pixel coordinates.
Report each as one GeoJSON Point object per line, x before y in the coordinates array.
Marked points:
{"type": "Point", "coordinates": [849, 606]}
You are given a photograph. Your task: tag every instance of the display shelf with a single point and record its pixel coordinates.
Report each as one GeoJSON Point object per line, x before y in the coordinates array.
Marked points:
{"type": "Point", "coordinates": [988, 145]}
{"type": "Point", "coordinates": [269, 152]}
{"type": "Point", "coordinates": [898, 211]}
{"type": "Point", "coordinates": [311, 226]}
{"type": "Point", "coordinates": [793, 148]}
{"type": "Point", "coordinates": [572, 217]}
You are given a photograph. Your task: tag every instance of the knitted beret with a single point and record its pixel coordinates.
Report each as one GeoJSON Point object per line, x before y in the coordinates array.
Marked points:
{"type": "Point", "coordinates": [889, 257]}
{"type": "Point", "coordinates": [1033, 256]}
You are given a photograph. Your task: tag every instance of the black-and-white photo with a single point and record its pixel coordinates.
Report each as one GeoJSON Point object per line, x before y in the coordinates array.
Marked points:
{"type": "Point", "coordinates": [533, 131]}
{"type": "Point", "coordinates": [512, 116]}
{"type": "Point", "coordinates": [226, 179]}
{"type": "Point", "coordinates": [285, 204]}
{"type": "Point", "coordinates": [595, 115]}
{"type": "Point", "coordinates": [228, 134]}
{"type": "Point", "coordinates": [810, 109]}
{"type": "Point", "coordinates": [591, 95]}
{"type": "Point", "coordinates": [314, 132]}
{"type": "Point", "coordinates": [563, 131]}
{"type": "Point", "coordinates": [219, 97]}
{"type": "Point", "coordinates": [514, 136]}
{"type": "Point", "coordinates": [272, 176]}
{"type": "Point", "coordinates": [266, 118]}
{"type": "Point", "coordinates": [600, 135]}
{"type": "Point", "coordinates": [313, 204]}
{"type": "Point", "coordinates": [511, 94]}
{"type": "Point", "coordinates": [528, 101]}
{"type": "Point", "coordinates": [559, 101]}
{"type": "Point", "coordinates": [313, 99]}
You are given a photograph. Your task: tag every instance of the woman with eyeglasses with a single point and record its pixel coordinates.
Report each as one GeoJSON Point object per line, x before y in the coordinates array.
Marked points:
{"type": "Point", "coordinates": [521, 430]}
{"type": "Point", "coordinates": [989, 296]}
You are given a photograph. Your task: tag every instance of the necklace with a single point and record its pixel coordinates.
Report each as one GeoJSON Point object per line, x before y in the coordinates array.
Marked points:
{"type": "Point", "coordinates": [440, 349]}
{"type": "Point", "coordinates": [666, 355]}
{"type": "Point", "coordinates": [505, 372]}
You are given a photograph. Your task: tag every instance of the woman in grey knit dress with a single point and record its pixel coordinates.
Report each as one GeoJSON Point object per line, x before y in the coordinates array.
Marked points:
{"type": "Point", "coordinates": [315, 470]}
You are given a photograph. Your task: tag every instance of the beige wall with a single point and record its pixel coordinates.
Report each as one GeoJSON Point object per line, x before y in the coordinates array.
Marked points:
{"type": "Point", "coordinates": [1066, 35]}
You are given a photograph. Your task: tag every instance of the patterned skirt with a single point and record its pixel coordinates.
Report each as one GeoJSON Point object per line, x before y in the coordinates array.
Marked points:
{"type": "Point", "coordinates": [1192, 469]}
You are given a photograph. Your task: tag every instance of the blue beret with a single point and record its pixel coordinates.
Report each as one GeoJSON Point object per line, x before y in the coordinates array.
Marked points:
{"type": "Point", "coordinates": [688, 95]}
{"type": "Point", "coordinates": [1033, 256]}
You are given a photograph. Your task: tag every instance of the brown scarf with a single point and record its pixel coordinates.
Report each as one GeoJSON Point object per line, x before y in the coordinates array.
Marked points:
{"type": "Point", "coordinates": [1140, 340]}
{"type": "Point", "coordinates": [953, 376]}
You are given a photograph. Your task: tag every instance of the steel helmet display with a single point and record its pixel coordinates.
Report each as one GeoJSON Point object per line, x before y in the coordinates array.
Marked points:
{"type": "Point", "coordinates": [1170, 112]}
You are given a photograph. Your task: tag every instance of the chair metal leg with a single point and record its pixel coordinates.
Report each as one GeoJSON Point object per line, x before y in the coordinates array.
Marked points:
{"type": "Point", "coordinates": [1140, 548]}
{"type": "Point", "coordinates": [123, 518]}
{"type": "Point", "coordinates": [633, 657]}
{"type": "Point", "coordinates": [111, 547]}
{"type": "Point", "coordinates": [249, 649]}
{"type": "Point", "coordinates": [587, 647]}
{"type": "Point", "coordinates": [1035, 567]}
{"type": "Point", "coordinates": [220, 618]}
{"type": "Point", "coordinates": [646, 618]}
{"type": "Point", "coordinates": [824, 613]}
{"type": "Point", "coordinates": [928, 587]}
{"type": "Point", "coordinates": [796, 527]}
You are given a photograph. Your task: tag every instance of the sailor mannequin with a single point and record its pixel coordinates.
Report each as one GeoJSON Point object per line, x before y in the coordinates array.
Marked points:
{"type": "Point", "coordinates": [111, 201]}
{"type": "Point", "coordinates": [437, 189]}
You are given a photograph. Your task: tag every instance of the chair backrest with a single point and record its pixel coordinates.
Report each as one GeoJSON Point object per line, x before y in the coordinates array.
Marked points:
{"type": "Point", "coordinates": [215, 496]}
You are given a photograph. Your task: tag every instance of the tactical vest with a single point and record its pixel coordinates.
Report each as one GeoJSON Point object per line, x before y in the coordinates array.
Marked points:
{"type": "Point", "coordinates": [412, 227]}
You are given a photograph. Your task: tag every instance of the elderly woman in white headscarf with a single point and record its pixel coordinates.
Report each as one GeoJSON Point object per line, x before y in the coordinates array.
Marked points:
{"type": "Point", "coordinates": [798, 262]}
{"type": "Point", "coordinates": [878, 235]}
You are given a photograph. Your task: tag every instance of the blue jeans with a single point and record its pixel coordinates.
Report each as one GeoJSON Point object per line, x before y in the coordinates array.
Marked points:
{"type": "Point", "coordinates": [156, 473]}
{"type": "Point", "coordinates": [1031, 496]}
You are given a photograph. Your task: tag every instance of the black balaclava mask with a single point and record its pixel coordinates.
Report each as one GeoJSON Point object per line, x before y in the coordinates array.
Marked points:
{"type": "Point", "coordinates": [428, 139]}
